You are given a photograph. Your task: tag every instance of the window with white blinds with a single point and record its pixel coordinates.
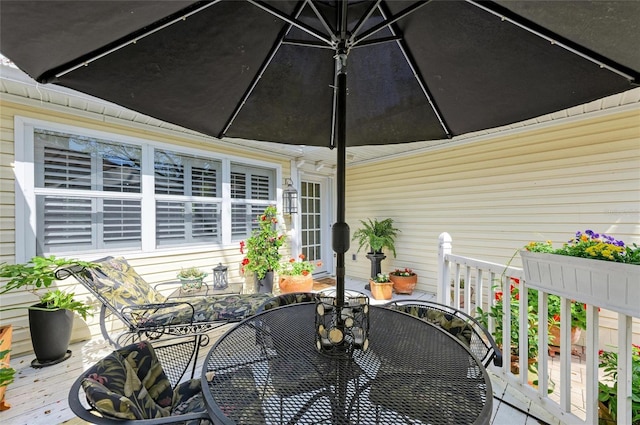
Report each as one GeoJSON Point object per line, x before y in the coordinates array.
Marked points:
{"type": "Point", "coordinates": [190, 211]}
{"type": "Point", "coordinates": [89, 195]}
{"type": "Point", "coordinates": [77, 178]}
{"type": "Point", "coordinates": [252, 190]}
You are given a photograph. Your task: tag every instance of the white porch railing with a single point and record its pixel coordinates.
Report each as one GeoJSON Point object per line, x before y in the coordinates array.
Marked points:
{"type": "Point", "coordinates": [483, 278]}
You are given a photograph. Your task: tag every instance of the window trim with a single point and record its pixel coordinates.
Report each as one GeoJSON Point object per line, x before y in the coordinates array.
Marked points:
{"type": "Point", "coordinates": [26, 191]}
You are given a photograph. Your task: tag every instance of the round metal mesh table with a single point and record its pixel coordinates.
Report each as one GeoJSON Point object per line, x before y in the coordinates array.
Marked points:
{"type": "Point", "coordinates": [266, 370]}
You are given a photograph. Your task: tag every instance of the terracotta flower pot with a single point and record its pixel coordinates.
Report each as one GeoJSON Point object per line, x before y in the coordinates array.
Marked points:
{"type": "Point", "coordinates": [554, 335]}
{"type": "Point", "coordinates": [404, 284]}
{"type": "Point", "coordinates": [515, 363]}
{"type": "Point", "coordinates": [290, 283]}
{"type": "Point", "coordinates": [381, 291]}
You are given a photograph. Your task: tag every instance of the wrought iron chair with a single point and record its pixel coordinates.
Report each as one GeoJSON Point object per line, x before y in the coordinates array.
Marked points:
{"type": "Point", "coordinates": [146, 313]}
{"type": "Point", "coordinates": [456, 322]}
{"type": "Point", "coordinates": [140, 383]}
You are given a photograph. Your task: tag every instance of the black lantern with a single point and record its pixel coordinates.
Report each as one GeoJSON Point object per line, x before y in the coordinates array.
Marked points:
{"type": "Point", "coordinates": [290, 198]}
{"type": "Point", "coordinates": [220, 277]}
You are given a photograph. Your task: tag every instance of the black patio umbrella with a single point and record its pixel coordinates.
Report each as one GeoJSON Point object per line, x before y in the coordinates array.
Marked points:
{"type": "Point", "coordinates": [277, 70]}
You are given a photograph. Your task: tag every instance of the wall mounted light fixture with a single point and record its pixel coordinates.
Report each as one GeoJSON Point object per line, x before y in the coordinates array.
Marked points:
{"type": "Point", "coordinates": [290, 198]}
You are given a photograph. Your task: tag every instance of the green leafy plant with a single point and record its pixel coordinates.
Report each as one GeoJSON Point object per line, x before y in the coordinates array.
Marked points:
{"type": "Point", "coordinates": [39, 274]}
{"type": "Point", "coordinates": [608, 390]}
{"type": "Point", "coordinates": [578, 312]}
{"type": "Point", "coordinates": [299, 268]}
{"type": "Point", "coordinates": [377, 235]}
{"type": "Point", "coordinates": [191, 273]}
{"type": "Point", "coordinates": [589, 244]}
{"type": "Point", "coordinates": [496, 311]}
{"type": "Point", "coordinates": [6, 372]}
{"type": "Point", "coordinates": [262, 248]}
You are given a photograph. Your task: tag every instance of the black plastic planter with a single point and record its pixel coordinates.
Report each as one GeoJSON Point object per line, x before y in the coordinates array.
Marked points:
{"type": "Point", "coordinates": [50, 334]}
{"type": "Point", "coordinates": [265, 285]}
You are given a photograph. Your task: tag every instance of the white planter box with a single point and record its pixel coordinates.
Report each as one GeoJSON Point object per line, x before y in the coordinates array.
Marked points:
{"type": "Point", "coordinates": [606, 284]}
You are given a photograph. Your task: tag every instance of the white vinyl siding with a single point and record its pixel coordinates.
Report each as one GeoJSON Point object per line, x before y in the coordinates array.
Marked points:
{"type": "Point", "coordinates": [493, 197]}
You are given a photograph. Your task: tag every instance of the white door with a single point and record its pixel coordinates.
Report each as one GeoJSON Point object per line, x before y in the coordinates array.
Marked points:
{"type": "Point", "coordinates": [314, 225]}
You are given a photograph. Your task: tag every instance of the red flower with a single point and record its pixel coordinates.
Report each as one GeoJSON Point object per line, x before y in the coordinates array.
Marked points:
{"type": "Point", "coordinates": [498, 296]}
{"type": "Point", "coordinates": [241, 247]}
{"type": "Point", "coordinates": [301, 256]}
{"type": "Point", "coordinates": [245, 261]}
{"type": "Point", "coordinates": [305, 272]}
{"type": "Point", "coordinates": [517, 296]}
{"type": "Point", "coordinates": [515, 280]}
{"type": "Point", "coordinates": [556, 317]}
{"type": "Point", "coordinates": [292, 260]}
{"type": "Point", "coordinates": [263, 217]}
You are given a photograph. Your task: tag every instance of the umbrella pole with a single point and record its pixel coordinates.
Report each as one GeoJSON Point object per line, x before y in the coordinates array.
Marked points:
{"type": "Point", "coordinates": [340, 233]}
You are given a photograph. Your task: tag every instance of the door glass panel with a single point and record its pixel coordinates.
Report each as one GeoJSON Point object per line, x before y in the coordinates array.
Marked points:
{"type": "Point", "coordinates": [311, 222]}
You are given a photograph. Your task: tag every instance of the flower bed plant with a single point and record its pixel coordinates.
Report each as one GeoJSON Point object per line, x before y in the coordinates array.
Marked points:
{"type": "Point", "coordinates": [406, 272]}
{"type": "Point", "coordinates": [589, 244]}
{"type": "Point", "coordinates": [496, 311]}
{"type": "Point", "coordinates": [299, 268]}
{"type": "Point", "coordinates": [381, 278]}
{"type": "Point", "coordinates": [608, 390]}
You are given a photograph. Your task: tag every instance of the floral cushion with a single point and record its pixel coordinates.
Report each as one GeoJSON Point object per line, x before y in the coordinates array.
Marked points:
{"type": "Point", "coordinates": [452, 324]}
{"type": "Point", "coordinates": [187, 398]}
{"type": "Point", "coordinates": [287, 299]}
{"type": "Point", "coordinates": [231, 308]}
{"type": "Point", "coordinates": [125, 289]}
{"type": "Point", "coordinates": [129, 384]}
{"type": "Point", "coordinates": [119, 283]}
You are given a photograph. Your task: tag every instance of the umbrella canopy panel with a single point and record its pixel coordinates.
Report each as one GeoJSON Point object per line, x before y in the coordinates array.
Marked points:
{"type": "Point", "coordinates": [266, 70]}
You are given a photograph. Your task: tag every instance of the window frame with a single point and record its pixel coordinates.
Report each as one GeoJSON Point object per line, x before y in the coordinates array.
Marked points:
{"type": "Point", "coordinates": [26, 190]}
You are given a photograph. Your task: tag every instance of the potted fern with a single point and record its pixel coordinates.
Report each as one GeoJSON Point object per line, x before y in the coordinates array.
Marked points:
{"type": "Point", "coordinates": [376, 235]}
